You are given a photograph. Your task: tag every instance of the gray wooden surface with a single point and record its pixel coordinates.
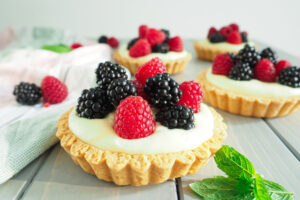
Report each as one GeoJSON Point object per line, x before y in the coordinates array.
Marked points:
{"type": "Point", "coordinates": [272, 145]}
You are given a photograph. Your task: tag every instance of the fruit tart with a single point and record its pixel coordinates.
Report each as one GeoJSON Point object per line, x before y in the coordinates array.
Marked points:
{"type": "Point", "coordinates": [152, 43]}
{"type": "Point", "coordinates": [142, 131]}
{"type": "Point", "coordinates": [228, 39]}
{"type": "Point", "coordinates": [252, 83]}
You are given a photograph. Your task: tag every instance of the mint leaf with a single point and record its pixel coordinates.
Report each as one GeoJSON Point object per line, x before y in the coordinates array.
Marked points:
{"type": "Point", "coordinates": [233, 163]}
{"type": "Point", "coordinates": [260, 190]}
{"type": "Point", "coordinates": [277, 192]}
{"type": "Point", "coordinates": [244, 184]}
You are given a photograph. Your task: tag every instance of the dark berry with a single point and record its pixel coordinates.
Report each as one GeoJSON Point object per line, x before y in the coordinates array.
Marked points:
{"type": "Point", "coordinates": [167, 33]}
{"type": "Point", "coordinates": [161, 48]}
{"type": "Point", "coordinates": [290, 76]}
{"type": "Point", "coordinates": [241, 71]}
{"type": "Point", "coordinates": [162, 90]}
{"type": "Point", "coordinates": [102, 39]}
{"type": "Point", "coordinates": [93, 103]}
{"type": "Point", "coordinates": [244, 37]}
{"type": "Point", "coordinates": [248, 55]}
{"type": "Point", "coordinates": [217, 37]}
{"type": "Point", "coordinates": [270, 54]}
{"type": "Point", "coordinates": [132, 42]}
{"type": "Point", "coordinates": [107, 71]}
{"type": "Point", "coordinates": [176, 116]}
{"type": "Point", "coordinates": [27, 93]}
{"type": "Point", "coordinates": [233, 57]}
{"type": "Point", "coordinates": [119, 89]}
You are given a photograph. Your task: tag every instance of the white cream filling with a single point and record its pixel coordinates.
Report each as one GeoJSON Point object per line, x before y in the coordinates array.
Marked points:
{"type": "Point", "coordinates": [223, 45]}
{"type": "Point", "coordinates": [171, 55]}
{"type": "Point", "coordinates": [100, 133]}
{"type": "Point", "coordinates": [252, 87]}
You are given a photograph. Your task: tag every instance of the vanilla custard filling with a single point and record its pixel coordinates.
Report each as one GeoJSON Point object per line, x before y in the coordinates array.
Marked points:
{"type": "Point", "coordinates": [100, 133]}
{"type": "Point", "coordinates": [171, 55]}
{"type": "Point", "coordinates": [252, 87]}
{"type": "Point", "coordinates": [223, 45]}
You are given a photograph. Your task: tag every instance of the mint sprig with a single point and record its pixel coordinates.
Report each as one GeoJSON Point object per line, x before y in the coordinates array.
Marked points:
{"type": "Point", "coordinates": [242, 182]}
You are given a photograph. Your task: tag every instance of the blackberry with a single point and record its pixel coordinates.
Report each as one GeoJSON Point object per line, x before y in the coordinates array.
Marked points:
{"type": "Point", "coordinates": [217, 37]}
{"type": "Point", "coordinates": [244, 37]}
{"type": "Point", "coordinates": [162, 90]}
{"type": "Point", "coordinates": [177, 116]}
{"type": "Point", "coordinates": [270, 54]}
{"type": "Point", "coordinates": [167, 33]}
{"type": "Point", "coordinates": [119, 89]}
{"type": "Point", "coordinates": [107, 71]}
{"type": "Point", "coordinates": [290, 76]}
{"type": "Point", "coordinates": [232, 56]}
{"type": "Point", "coordinates": [248, 55]}
{"type": "Point", "coordinates": [161, 48]}
{"type": "Point", "coordinates": [241, 71]}
{"type": "Point", "coordinates": [132, 42]}
{"type": "Point", "coordinates": [102, 39]}
{"type": "Point", "coordinates": [27, 93]}
{"type": "Point", "coordinates": [93, 103]}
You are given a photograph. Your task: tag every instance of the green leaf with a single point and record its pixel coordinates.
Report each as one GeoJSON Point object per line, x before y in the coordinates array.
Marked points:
{"type": "Point", "coordinates": [244, 184]}
{"type": "Point", "coordinates": [57, 48]}
{"type": "Point", "coordinates": [260, 190]}
{"type": "Point", "coordinates": [277, 192]}
{"type": "Point", "coordinates": [233, 163]}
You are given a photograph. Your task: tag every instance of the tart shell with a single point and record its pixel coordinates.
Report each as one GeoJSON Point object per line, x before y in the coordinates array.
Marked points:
{"type": "Point", "coordinates": [173, 66]}
{"type": "Point", "coordinates": [138, 169]}
{"type": "Point", "coordinates": [246, 105]}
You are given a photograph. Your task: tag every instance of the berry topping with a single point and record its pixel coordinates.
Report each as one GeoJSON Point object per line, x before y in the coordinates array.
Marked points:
{"type": "Point", "coordinates": [46, 105]}
{"type": "Point", "coordinates": [27, 93]}
{"type": "Point", "coordinates": [102, 39]}
{"type": "Point", "coordinates": [119, 89]}
{"type": "Point", "coordinates": [162, 90]}
{"type": "Point", "coordinates": [222, 64]}
{"type": "Point", "coordinates": [107, 72]}
{"type": "Point", "coordinates": [149, 69]}
{"type": "Point", "coordinates": [161, 48]}
{"type": "Point", "coordinates": [226, 31]}
{"type": "Point", "coordinates": [75, 45]}
{"type": "Point", "coordinates": [140, 89]}
{"type": "Point", "coordinates": [133, 118]}
{"type": "Point", "coordinates": [244, 36]}
{"type": "Point", "coordinates": [143, 31]}
{"type": "Point", "coordinates": [140, 48]}
{"type": "Point", "coordinates": [281, 65]}
{"type": "Point", "coordinates": [53, 90]}
{"type": "Point", "coordinates": [167, 34]}
{"type": "Point", "coordinates": [176, 44]}
{"type": "Point", "coordinates": [192, 95]}
{"type": "Point", "coordinates": [113, 42]}
{"type": "Point", "coordinates": [241, 71]}
{"type": "Point", "coordinates": [234, 27]}
{"type": "Point", "coordinates": [217, 37]}
{"type": "Point", "coordinates": [155, 36]}
{"type": "Point", "coordinates": [211, 31]}
{"type": "Point", "coordinates": [234, 38]}
{"type": "Point", "coordinates": [270, 54]}
{"type": "Point", "coordinates": [265, 70]}
{"type": "Point", "coordinates": [248, 55]}
{"type": "Point", "coordinates": [132, 42]}
{"type": "Point", "coordinates": [290, 76]}
{"type": "Point", "coordinates": [93, 103]}
{"type": "Point", "coordinates": [176, 116]}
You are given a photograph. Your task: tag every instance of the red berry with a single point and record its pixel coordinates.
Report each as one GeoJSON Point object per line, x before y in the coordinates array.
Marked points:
{"type": "Point", "coordinates": [134, 119]}
{"type": "Point", "coordinates": [175, 44]}
{"type": "Point", "coordinates": [46, 105]}
{"type": "Point", "coordinates": [192, 95]}
{"type": "Point", "coordinates": [149, 69]}
{"type": "Point", "coordinates": [234, 27]}
{"type": "Point", "coordinates": [140, 89]}
{"type": "Point", "coordinates": [235, 38]}
{"type": "Point", "coordinates": [265, 70]}
{"type": "Point", "coordinates": [143, 31]}
{"type": "Point", "coordinates": [280, 65]}
{"type": "Point", "coordinates": [226, 31]}
{"type": "Point", "coordinates": [155, 36]}
{"type": "Point", "coordinates": [53, 90]}
{"type": "Point", "coordinates": [140, 48]}
{"type": "Point", "coordinates": [211, 31]}
{"type": "Point", "coordinates": [75, 45]}
{"type": "Point", "coordinates": [222, 64]}
{"type": "Point", "coordinates": [113, 42]}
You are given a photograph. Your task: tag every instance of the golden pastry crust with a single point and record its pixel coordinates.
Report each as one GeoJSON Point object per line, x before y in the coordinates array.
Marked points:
{"type": "Point", "coordinates": [173, 66]}
{"type": "Point", "coordinates": [138, 169]}
{"type": "Point", "coordinates": [246, 105]}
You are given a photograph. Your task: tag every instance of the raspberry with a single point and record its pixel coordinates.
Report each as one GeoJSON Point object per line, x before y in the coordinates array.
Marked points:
{"type": "Point", "coordinates": [143, 31]}
{"type": "Point", "coordinates": [140, 89]}
{"type": "Point", "coordinates": [222, 64]}
{"type": "Point", "coordinates": [176, 44]}
{"type": "Point", "coordinates": [27, 93]}
{"type": "Point", "coordinates": [113, 42]}
{"type": "Point", "coordinates": [280, 65]}
{"type": "Point", "coordinates": [140, 48]}
{"type": "Point", "coordinates": [265, 70]}
{"type": "Point", "coordinates": [53, 90]}
{"type": "Point", "coordinates": [155, 36]}
{"type": "Point", "coordinates": [192, 95]}
{"type": "Point", "coordinates": [75, 45]}
{"type": "Point", "coordinates": [133, 118]}
{"type": "Point", "coordinates": [211, 31]}
{"type": "Point", "coordinates": [226, 31]}
{"type": "Point", "coordinates": [234, 27]}
{"type": "Point", "coordinates": [234, 38]}
{"type": "Point", "coordinates": [149, 69]}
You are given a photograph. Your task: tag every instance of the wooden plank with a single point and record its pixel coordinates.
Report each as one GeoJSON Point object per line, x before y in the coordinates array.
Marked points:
{"type": "Point", "coordinates": [60, 178]}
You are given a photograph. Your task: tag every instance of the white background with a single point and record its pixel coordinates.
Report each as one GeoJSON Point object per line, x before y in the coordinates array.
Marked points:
{"type": "Point", "coordinates": [276, 22]}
